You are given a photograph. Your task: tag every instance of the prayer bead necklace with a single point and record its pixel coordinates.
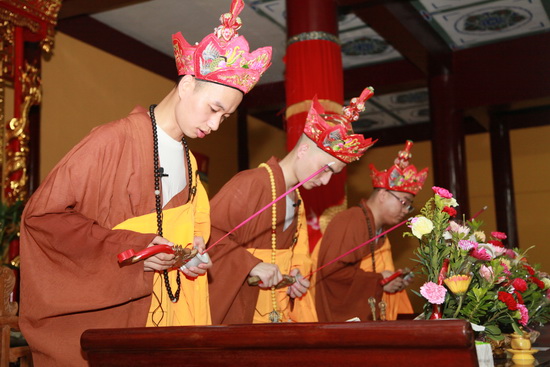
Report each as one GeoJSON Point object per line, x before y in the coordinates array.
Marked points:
{"type": "Point", "coordinates": [275, 315]}
{"type": "Point", "coordinates": [371, 235]}
{"type": "Point", "coordinates": [174, 297]}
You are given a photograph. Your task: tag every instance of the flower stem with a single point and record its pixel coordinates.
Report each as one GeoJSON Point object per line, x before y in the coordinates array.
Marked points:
{"type": "Point", "coordinates": [459, 306]}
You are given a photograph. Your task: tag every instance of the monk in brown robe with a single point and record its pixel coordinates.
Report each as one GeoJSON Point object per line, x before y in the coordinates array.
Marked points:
{"type": "Point", "coordinates": [275, 242]}
{"type": "Point", "coordinates": [109, 195]}
{"type": "Point", "coordinates": [343, 288]}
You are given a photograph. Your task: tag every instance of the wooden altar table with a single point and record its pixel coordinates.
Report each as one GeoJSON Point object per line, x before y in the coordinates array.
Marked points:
{"type": "Point", "coordinates": [393, 343]}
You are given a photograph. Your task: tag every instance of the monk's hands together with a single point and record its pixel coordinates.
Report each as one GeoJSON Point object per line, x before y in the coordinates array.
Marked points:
{"type": "Point", "coordinates": [269, 274]}
{"type": "Point", "coordinates": [195, 271]}
{"type": "Point", "coordinates": [300, 287]}
{"type": "Point", "coordinates": [396, 285]}
{"type": "Point", "coordinates": [160, 261]}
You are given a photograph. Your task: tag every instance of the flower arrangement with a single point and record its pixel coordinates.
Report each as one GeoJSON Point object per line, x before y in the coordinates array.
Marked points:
{"type": "Point", "coordinates": [473, 276]}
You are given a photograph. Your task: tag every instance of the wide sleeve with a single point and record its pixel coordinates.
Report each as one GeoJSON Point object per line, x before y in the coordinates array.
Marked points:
{"type": "Point", "coordinates": [234, 203]}
{"type": "Point", "coordinates": [68, 249]}
{"type": "Point", "coordinates": [343, 289]}
{"type": "Point", "coordinates": [342, 235]}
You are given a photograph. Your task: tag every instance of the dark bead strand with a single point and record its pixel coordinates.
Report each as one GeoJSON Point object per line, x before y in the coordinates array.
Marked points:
{"type": "Point", "coordinates": [192, 189]}
{"type": "Point", "coordinates": [158, 205]}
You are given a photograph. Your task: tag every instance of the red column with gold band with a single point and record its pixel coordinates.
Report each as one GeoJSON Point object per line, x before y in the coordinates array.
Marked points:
{"type": "Point", "coordinates": [313, 67]}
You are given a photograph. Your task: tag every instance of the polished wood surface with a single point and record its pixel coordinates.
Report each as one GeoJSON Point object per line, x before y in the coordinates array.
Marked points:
{"type": "Point", "coordinates": [394, 343]}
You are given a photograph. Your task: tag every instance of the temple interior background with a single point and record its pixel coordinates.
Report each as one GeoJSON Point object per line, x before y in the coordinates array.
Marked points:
{"type": "Point", "coordinates": [84, 86]}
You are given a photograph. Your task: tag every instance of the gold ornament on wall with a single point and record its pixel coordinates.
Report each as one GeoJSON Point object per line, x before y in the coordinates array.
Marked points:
{"type": "Point", "coordinates": [21, 22]}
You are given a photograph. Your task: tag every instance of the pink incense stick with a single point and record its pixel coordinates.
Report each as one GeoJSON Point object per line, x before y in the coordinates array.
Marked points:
{"type": "Point", "coordinates": [479, 212]}
{"type": "Point", "coordinates": [268, 205]}
{"type": "Point", "coordinates": [358, 247]}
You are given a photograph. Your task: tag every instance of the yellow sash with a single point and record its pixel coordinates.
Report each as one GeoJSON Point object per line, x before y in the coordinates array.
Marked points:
{"type": "Point", "coordinates": [397, 302]}
{"type": "Point", "coordinates": [287, 259]}
{"type": "Point", "coordinates": [193, 305]}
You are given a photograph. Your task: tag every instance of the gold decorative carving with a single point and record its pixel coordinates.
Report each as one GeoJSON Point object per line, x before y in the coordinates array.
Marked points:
{"type": "Point", "coordinates": [14, 170]}
{"type": "Point", "coordinates": [7, 283]}
{"type": "Point", "coordinates": [38, 18]}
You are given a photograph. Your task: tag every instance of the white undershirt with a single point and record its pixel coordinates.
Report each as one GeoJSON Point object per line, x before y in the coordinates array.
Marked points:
{"type": "Point", "coordinates": [289, 215]}
{"type": "Point", "coordinates": [171, 158]}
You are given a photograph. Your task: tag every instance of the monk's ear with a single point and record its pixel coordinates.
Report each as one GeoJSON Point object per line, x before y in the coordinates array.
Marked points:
{"type": "Point", "coordinates": [382, 195]}
{"type": "Point", "coordinates": [302, 150]}
{"type": "Point", "coordinates": [186, 85]}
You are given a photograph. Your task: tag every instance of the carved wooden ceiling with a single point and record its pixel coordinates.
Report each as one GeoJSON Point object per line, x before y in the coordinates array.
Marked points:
{"type": "Point", "coordinates": [499, 52]}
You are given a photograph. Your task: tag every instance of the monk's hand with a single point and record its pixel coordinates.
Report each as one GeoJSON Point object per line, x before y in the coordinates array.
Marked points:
{"type": "Point", "coordinates": [300, 287]}
{"type": "Point", "coordinates": [159, 261]}
{"type": "Point", "coordinates": [269, 274]}
{"type": "Point", "coordinates": [396, 285]}
{"type": "Point", "coordinates": [198, 243]}
{"type": "Point", "coordinates": [195, 271]}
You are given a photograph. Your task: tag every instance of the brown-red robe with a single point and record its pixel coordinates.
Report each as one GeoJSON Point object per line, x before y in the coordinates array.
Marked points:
{"type": "Point", "coordinates": [342, 289]}
{"type": "Point", "coordinates": [70, 278]}
{"type": "Point", "coordinates": [232, 300]}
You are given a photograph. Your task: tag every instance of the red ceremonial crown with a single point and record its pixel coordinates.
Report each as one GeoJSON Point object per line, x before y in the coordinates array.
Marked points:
{"type": "Point", "coordinates": [333, 132]}
{"type": "Point", "coordinates": [402, 176]}
{"type": "Point", "coordinates": [223, 57]}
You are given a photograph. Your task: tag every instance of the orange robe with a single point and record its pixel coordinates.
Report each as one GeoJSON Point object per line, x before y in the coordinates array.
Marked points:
{"type": "Point", "coordinates": [342, 289]}
{"type": "Point", "coordinates": [70, 278]}
{"type": "Point", "coordinates": [232, 300]}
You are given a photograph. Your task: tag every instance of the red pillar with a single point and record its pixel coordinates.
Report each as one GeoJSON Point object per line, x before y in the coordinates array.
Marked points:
{"type": "Point", "coordinates": [313, 67]}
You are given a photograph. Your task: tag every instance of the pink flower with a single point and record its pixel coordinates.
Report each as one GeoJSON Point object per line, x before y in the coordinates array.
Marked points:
{"type": "Point", "coordinates": [495, 250]}
{"type": "Point", "coordinates": [524, 314]}
{"type": "Point", "coordinates": [486, 272]}
{"type": "Point", "coordinates": [433, 293]}
{"type": "Point", "coordinates": [505, 269]}
{"type": "Point", "coordinates": [455, 227]}
{"type": "Point", "coordinates": [444, 193]}
{"type": "Point", "coordinates": [511, 254]}
{"type": "Point", "coordinates": [481, 254]}
{"type": "Point", "coordinates": [467, 245]}
{"type": "Point", "coordinates": [499, 235]}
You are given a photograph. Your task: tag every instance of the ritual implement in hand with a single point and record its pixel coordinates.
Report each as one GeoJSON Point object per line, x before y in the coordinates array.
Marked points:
{"type": "Point", "coordinates": [130, 257]}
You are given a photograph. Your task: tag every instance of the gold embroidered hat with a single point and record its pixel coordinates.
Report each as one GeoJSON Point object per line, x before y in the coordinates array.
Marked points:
{"type": "Point", "coordinates": [223, 57]}
{"type": "Point", "coordinates": [333, 133]}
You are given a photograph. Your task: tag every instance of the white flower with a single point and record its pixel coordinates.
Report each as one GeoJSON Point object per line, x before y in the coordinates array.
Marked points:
{"type": "Point", "coordinates": [421, 226]}
{"type": "Point", "coordinates": [450, 202]}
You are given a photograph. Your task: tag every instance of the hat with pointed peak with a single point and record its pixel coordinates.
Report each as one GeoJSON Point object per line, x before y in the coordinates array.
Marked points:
{"type": "Point", "coordinates": [402, 176]}
{"type": "Point", "coordinates": [223, 57]}
{"type": "Point", "coordinates": [333, 133]}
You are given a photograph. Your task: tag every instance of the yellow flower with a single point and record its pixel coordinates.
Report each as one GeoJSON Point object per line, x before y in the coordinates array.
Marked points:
{"type": "Point", "coordinates": [480, 235]}
{"type": "Point", "coordinates": [458, 284]}
{"type": "Point", "coordinates": [421, 226]}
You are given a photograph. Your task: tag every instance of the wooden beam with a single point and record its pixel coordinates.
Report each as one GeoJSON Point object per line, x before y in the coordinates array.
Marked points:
{"type": "Point", "coordinates": [97, 34]}
{"type": "Point", "coordinates": [72, 8]}
{"type": "Point", "coordinates": [504, 72]}
{"type": "Point", "coordinates": [385, 78]}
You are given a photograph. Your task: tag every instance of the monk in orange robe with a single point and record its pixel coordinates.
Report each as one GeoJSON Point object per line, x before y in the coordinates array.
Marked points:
{"type": "Point", "coordinates": [275, 242]}
{"type": "Point", "coordinates": [343, 288]}
{"type": "Point", "coordinates": [109, 194]}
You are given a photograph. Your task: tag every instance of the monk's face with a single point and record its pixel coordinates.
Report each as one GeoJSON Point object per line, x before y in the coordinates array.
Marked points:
{"type": "Point", "coordinates": [313, 159]}
{"type": "Point", "coordinates": [203, 106]}
{"type": "Point", "coordinates": [395, 206]}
